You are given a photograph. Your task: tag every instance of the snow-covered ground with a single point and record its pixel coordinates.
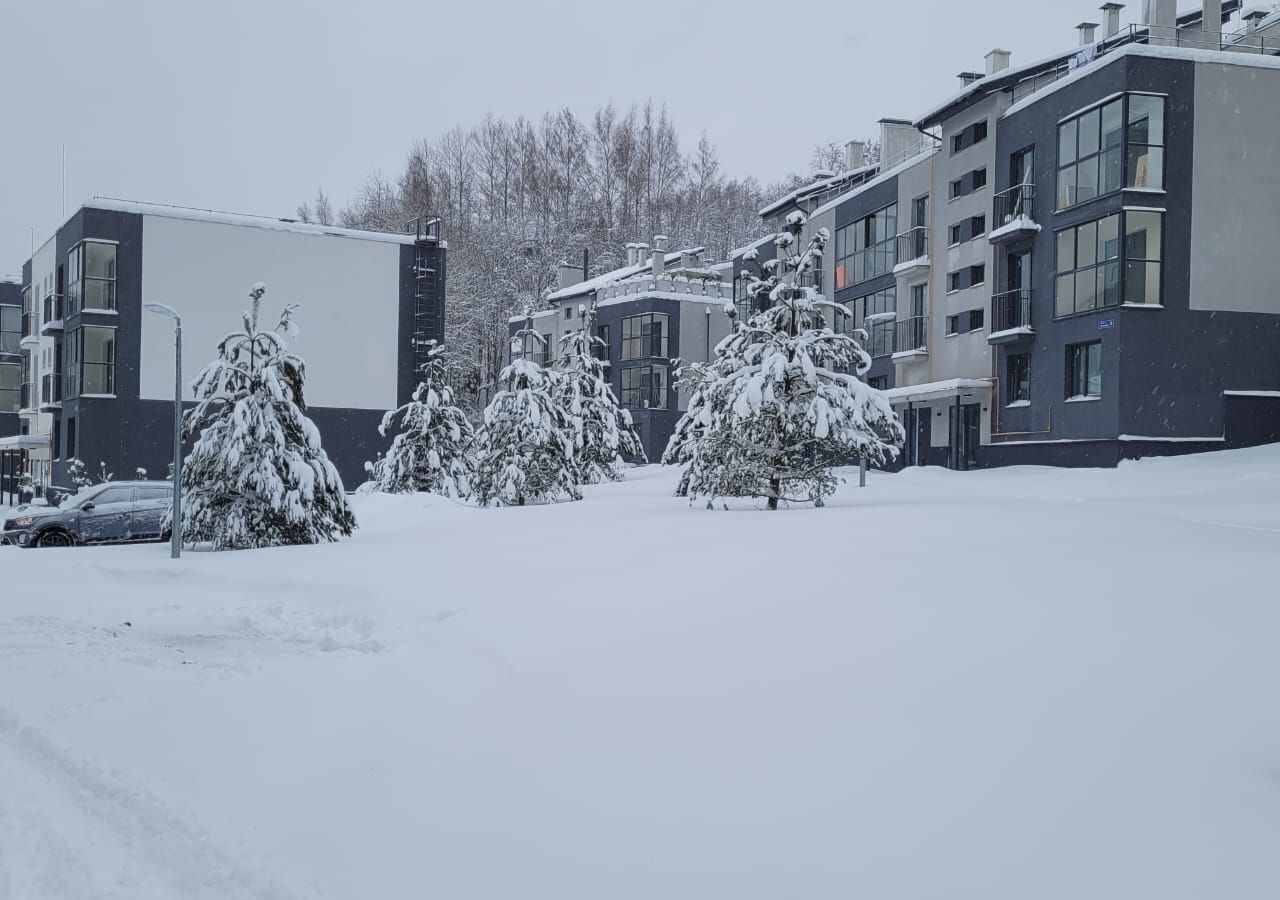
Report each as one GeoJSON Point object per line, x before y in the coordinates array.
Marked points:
{"type": "Point", "coordinates": [1013, 684]}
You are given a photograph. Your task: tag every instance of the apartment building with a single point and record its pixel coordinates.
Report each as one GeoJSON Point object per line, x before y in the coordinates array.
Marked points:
{"type": "Point", "coordinates": [662, 308]}
{"type": "Point", "coordinates": [1067, 263]}
{"type": "Point", "coordinates": [95, 373]}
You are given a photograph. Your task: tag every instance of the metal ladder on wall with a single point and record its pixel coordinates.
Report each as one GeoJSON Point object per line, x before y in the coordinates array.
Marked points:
{"type": "Point", "coordinates": [428, 300]}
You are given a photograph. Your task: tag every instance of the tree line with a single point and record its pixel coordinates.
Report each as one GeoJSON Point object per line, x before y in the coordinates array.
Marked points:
{"type": "Point", "coordinates": [519, 197]}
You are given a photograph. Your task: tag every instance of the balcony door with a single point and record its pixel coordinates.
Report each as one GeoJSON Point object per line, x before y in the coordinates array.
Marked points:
{"type": "Point", "coordinates": [1018, 274]}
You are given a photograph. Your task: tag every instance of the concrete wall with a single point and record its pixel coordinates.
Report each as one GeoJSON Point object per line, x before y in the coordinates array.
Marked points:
{"type": "Point", "coordinates": [1235, 189]}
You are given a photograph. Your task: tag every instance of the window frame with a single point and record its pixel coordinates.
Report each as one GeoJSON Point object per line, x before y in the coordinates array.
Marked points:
{"type": "Point", "coordinates": [1120, 262]}
{"type": "Point", "coordinates": [631, 395]}
{"type": "Point", "coordinates": [1017, 390]}
{"type": "Point", "coordinates": [1127, 177]}
{"type": "Point", "coordinates": [1076, 352]}
{"type": "Point", "coordinates": [873, 250]}
{"type": "Point", "coordinates": [16, 343]}
{"type": "Point", "coordinates": [75, 363]}
{"type": "Point", "coordinates": [16, 390]}
{"type": "Point", "coordinates": [635, 345]}
{"type": "Point", "coordinates": [78, 278]}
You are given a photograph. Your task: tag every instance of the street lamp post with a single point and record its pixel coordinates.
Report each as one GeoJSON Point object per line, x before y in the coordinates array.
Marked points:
{"type": "Point", "coordinates": [175, 529]}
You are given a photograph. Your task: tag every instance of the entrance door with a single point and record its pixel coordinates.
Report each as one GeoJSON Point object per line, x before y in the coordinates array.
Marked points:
{"type": "Point", "coordinates": [918, 425]}
{"type": "Point", "coordinates": [965, 435]}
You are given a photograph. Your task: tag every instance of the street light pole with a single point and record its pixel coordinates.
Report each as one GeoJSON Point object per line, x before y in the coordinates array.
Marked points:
{"type": "Point", "coordinates": [175, 529]}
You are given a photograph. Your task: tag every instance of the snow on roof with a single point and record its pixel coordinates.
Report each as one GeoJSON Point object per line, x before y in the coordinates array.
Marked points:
{"type": "Point", "coordinates": [760, 242]}
{"type": "Point", "coordinates": [593, 284]}
{"type": "Point", "coordinates": [936, 388]}
{"type": "Point", "coordinates": [666, 295]}
{"type": "Point", "coordinates": [1225, 58]}
{"type": "Point", "coordinates": [242, 219]}
{"type": "Point", "coordinates": [991, 82]}
{"type": "Point", "coordinates": [925, 152]}
{"type": "Point", "coordinates": [815, 187]}
{"type": "Point", "coordinates": [540, 314]}
{"type": "Point", "coordinates": [10, 279]}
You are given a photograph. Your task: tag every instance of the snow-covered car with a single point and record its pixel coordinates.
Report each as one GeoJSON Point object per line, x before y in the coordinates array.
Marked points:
{"type": "Point", "coordinates": [115, 512]}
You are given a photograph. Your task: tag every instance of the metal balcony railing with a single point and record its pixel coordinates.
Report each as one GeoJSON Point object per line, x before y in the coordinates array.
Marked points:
{"type": "Point", "coordinates": [424, 228]}
{"type": "Point", "coordinates": [913, 334]}
{"type": "Point", "coordinates": [913, 244]}
{"type": "Point", "coordinates": [1017, 202]}
{"type": "Point", "coordinates": [1011, 310]}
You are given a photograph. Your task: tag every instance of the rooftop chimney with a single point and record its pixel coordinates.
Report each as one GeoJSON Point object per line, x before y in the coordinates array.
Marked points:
{"type": "Point", "coordinates": [1087, 31]}
{"type": "Point", "coordinates": [898, 140]}
{"type": "Point", "coordinates": [1161, 19]}
{"type": "Point", "coordinates": [997, 61]}
{"type": "Point", "coordinates": [659, 254]}
{"type": "Point", "coordinates": [1111, 16]}
{"type": "Point", "coordinates": [855, 155]}
{"type": "Point", "coordinates": [1212, 24]}
{"type": "Point", "coordinates": [631, 254]}
{"type": "Point", "coordinates": [568, 275]}
{"type": "Point", "coordinates": [968, 78]}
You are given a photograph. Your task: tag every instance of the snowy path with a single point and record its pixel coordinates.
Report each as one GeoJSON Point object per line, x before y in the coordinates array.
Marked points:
{"type": "Point", "coordinates": [70, 830]}
{"type": "Point", "coordinates": [1008, 685]}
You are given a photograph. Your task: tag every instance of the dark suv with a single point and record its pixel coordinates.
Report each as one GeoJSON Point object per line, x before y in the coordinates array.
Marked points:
{"type": "Point", "coordinates": [115, 512]}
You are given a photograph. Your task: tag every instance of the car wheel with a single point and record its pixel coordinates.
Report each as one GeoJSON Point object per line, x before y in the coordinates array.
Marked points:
{"type": "Point", "coordinates": [54, 539]}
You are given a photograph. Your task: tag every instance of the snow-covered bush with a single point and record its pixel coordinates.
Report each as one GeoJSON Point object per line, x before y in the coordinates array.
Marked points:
{"type": "Point", "coordinates": [523, 452]}
{"type": "Point", "coordinates": [78, 475]}
{"type": "Point", "coordinates": [430, 451]}
{"type": "Point", "coordinates": [599, 428]}
{"type": "Point", "coordinates": [257, 475]}
{"type": "Point", "coordinates": [777, 409]}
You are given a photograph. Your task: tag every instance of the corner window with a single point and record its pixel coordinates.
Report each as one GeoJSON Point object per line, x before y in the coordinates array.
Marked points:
{"type": "Point", "coordinates": [600, 347]}
{"type": "Point", "coordinates": [91, 362]}
{"type": "Point", "coordinates": [10, 328]}
{"type": "Point", "coordinates": [644, 336]}
{"type": "Point", "coordinates": [1096, 270]}
{"type": "Point", "coordinates": [1084, 370]}
{"type": "Point", "coordinates": [91, 277]}
{"type": "Point", "coordinates": [878, 383]}
{"type": "Point", "coordinates": [10, 388]}
{"type": "Point", "coordinates": [867, 248]}
{"type": "Point", "coordinates": [1118, 144]}
{"type": "Point", "coordinates": [1142, 250]}
{"type": "Point", "coordinates": [1018, 378]}
{"type": "Point", "coordinates": [644, 387]}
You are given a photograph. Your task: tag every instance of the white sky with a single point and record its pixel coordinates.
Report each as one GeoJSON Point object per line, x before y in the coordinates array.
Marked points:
{"type": "Point", "coordinates": [249, 105]}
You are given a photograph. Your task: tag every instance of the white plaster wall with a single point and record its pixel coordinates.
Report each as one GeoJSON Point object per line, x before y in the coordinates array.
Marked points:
{"type": "Point", "coordinates": [1235, 224]}
{"type": "Point", "coordinates": [347, 290]}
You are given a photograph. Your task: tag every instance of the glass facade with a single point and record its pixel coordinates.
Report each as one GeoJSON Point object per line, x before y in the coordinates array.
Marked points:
{"type": "Point", "coordinates": [644, 387]}
{"type": "Point", "coordinates": [1120, 143]}
{"type": "Point", "coordinates": [644, 337]}
{"type": "Point", "coordinates": [1096, 269]}
{"type": "Point", "coordinates": [91, 277]}
{"type": "Point", "coordinates": [867, 248]}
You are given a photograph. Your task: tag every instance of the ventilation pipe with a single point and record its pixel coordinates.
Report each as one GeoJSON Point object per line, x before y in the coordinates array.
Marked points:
{"type": "Point", "coordinates": [1212, 23]}
{"type": "Point", "coordinates": [998, 61]}
{"type": "Point", "coordinates": [1087, 32]}
{"type": "Point", "coordinates": [855, 155]}
{"type": "Point", "coordinates": [1161, 19]}
{"type": "Point", "coordinates": [1111, 18]}
{"type": "Point", "coordinates": [968, 78]}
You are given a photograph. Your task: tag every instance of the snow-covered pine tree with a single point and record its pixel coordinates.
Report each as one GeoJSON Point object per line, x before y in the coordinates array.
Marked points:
{"type": "Point", "coordinates": [257, 475]}
{"type": "Point", "coordinates": [782, 405]}
{"type": "Point", "coordinates": [600, 429]}
{"type": "Point", "coordinates": [524, 453]}
{"type": "Point", "coordinates": [430, 451]}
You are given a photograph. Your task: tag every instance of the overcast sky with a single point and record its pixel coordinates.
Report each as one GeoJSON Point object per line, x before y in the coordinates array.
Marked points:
{"type": "Point", "coordinates": [249, 105]}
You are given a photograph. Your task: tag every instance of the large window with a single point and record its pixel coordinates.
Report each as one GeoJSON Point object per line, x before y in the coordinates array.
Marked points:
{"type": "Point", "coordinates": [867, 248]}
{"type": "Point", "coordinates": [600, 348]}
{"type": "Point", "coordinates": [91, 362]}
{"type": "Point", "coordinates": [1091, 271]}
{"type": "Point", "coordinates": [1018, 378]}
{"type": "Point", "coordinates": [1142, 252]}
{"type": "Point", "coordinates": [91, 277]}
{"type": "Point", "coordinates": [10, 388]}
{"type": "Point", "coordinates": [644, 337]}
{"type": "Point", "coordinates": [1118, 144]}
{"type": "Point", "coordinates": [644, 387]}
{"type": "Point", "coordinates": [10, 328]}
{"type": "Point", "coordinates": [1084, 370]}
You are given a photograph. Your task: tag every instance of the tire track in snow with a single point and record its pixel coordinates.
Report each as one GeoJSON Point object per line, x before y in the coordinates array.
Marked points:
{"type": "Point", "coordinates": [173, 851]}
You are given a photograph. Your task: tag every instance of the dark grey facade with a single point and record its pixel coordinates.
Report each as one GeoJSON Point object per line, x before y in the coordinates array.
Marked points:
{"type": "Point", "coordinates": [1168, 370]}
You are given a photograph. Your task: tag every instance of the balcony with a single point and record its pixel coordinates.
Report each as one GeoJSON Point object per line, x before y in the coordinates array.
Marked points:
{"type": "Point", "coordinates": [52, 320]}
{"type": "Point", "coordinates": [1014, 214]}
{"type": "Point", "coordinates": [1011, 317]}
{"type": "Point", "coordinates": [50, 392]}
{"type": "Point", "coordinates": [913, 250]}
{"type": "Point", "coordinates": [30, 328]}
{"type": "Point", "coordinates": [27, 397]}
{"type": "Point", "coordinates": [912, 339]}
